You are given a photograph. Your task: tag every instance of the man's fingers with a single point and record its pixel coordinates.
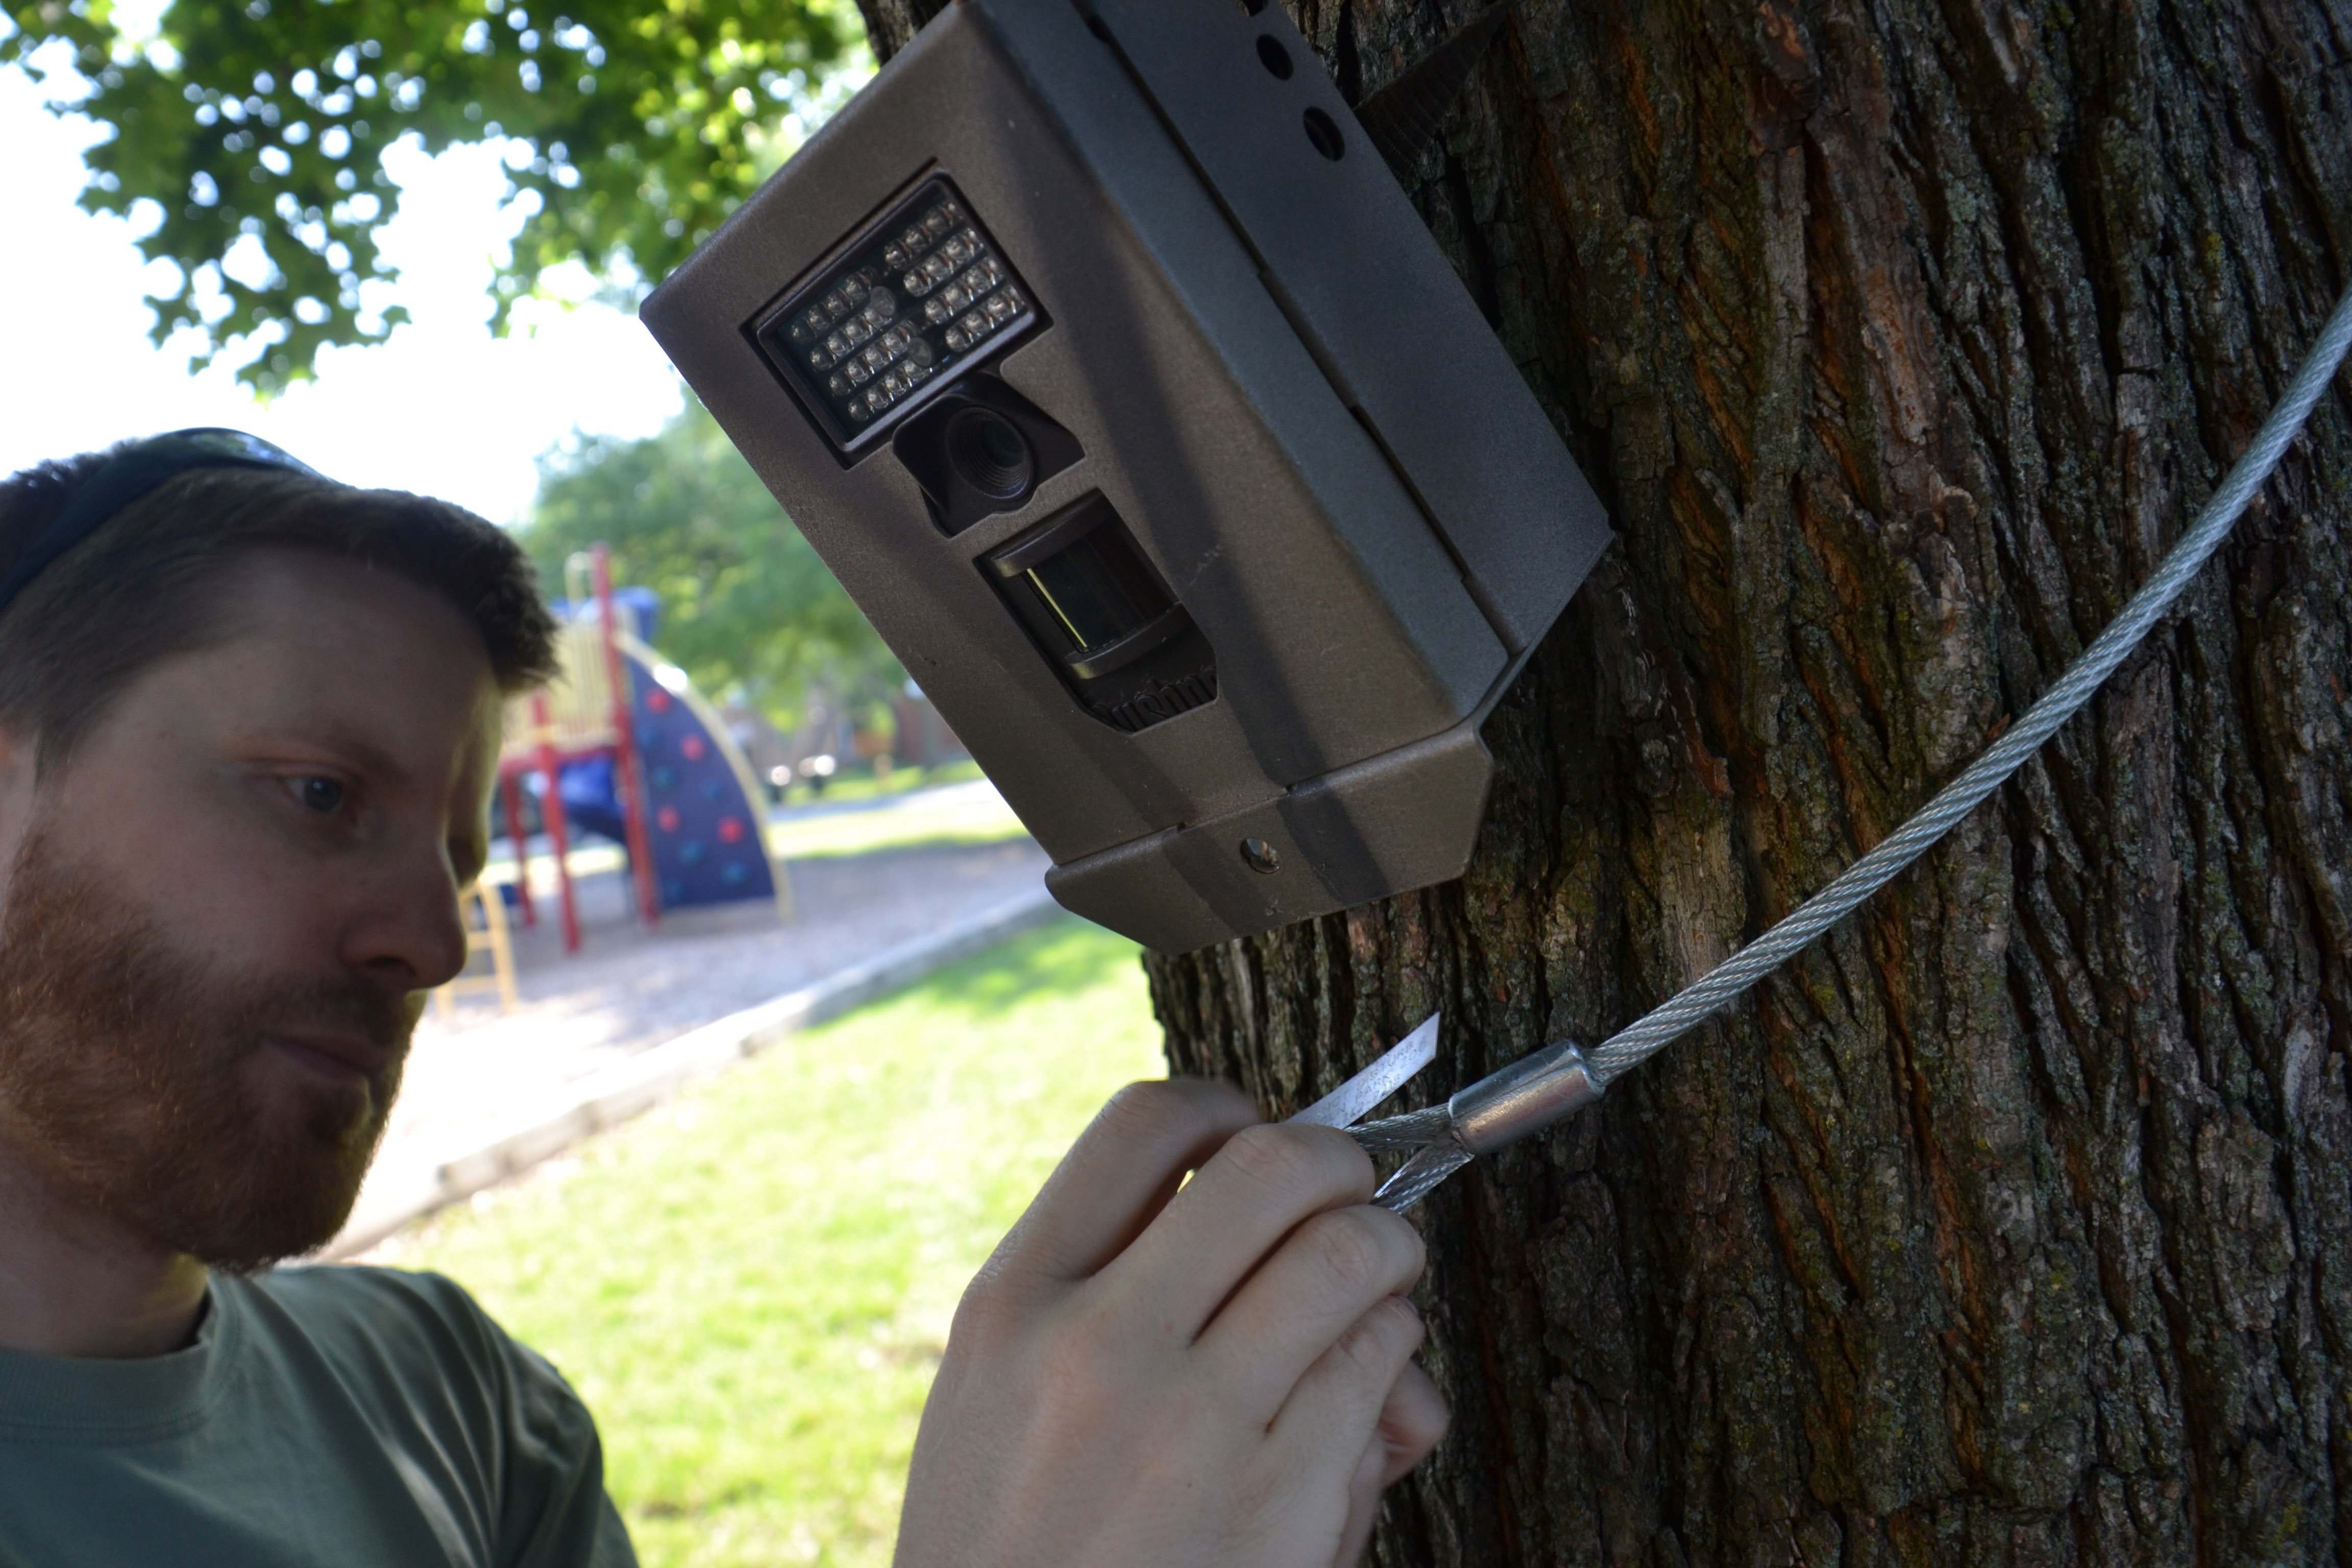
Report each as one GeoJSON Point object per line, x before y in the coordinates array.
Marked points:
{"type": "Point", "coordinates": [1336, 1407]}
{"type": "Point", "coordinates": [1412, 1422]}
{"type": "Point", "coordinates": [1363, 1505]}
{"type": "Point", "coordinates": [1261, 1183]}
{"type": "Point", "coordinates": [1319, 1282]}
{"type": "Point", "coordinates": [1119, 1174]}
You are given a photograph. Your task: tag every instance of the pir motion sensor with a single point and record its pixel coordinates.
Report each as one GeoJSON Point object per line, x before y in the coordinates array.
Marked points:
{"type": "Point", "coordinates": [1555, 1083]}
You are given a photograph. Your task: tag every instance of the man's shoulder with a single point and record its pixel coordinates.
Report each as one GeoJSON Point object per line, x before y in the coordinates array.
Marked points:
{"type": "Point", "coordinates": [438, 1380]}
{"type": "Point", "coordinates": [348, 1313]}
{"type": "Point", "coordinates": [358, 1291]}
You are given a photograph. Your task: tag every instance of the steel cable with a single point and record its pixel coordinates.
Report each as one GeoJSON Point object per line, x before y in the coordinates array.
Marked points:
{"type": "Point", "coordinates": [1705, 997]}
{"type": "Point", "coordinates": [1433, 1135]}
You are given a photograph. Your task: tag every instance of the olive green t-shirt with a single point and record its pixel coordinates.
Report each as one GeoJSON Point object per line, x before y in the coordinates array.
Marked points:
{"type": "Point", "coordinates": [324, 1418]}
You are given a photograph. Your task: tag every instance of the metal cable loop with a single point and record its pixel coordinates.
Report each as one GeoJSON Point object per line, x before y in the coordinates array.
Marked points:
{"type": "Point", "coordinates": [1436, 1136]}
{"type": "Point", "coordinates": [1709, 995]}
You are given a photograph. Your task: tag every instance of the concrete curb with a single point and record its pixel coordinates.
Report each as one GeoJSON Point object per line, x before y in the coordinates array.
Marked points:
{"type": "Point", "coordinates": [637, 1084]}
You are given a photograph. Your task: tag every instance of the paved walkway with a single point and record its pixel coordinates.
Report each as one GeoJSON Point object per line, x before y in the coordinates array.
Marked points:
{"type": "Point", "coordinates": [629, 988]}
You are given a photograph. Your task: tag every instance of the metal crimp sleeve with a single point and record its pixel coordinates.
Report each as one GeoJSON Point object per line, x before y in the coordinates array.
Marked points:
{"type": "Point", "coordinates": [1525, 1097]}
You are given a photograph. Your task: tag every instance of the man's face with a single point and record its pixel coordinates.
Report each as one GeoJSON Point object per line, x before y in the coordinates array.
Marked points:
{"type": "Point", "coordinates": [219, 919]}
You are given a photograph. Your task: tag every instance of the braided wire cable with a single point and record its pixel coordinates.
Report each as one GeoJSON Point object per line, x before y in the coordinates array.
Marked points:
{"type": "Point", "coordinates": [1419, 1176]}
{"type": "Point", "coordinates": [1720, 986]}
{"type": "Point", "coordinates": [1433, 1137]}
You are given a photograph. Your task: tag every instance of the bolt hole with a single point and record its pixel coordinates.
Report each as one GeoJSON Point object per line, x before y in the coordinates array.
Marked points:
{"type": "Point", "coordinates": [1324, 135]}
{"type": "Point", "coordinates": [1275, 58]}
{"type": "Point", "coordinates": [1253, 7]}
{"type": "Point", "coordinates": [1259, 857]}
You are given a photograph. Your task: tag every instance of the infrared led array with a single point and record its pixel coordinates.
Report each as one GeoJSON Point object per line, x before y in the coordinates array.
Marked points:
{"type": "Point", "coordinates": [924, 294]}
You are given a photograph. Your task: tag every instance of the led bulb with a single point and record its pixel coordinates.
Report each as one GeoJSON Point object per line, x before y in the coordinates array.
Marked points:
{"type": "Point", "coordinates": [859, 350]}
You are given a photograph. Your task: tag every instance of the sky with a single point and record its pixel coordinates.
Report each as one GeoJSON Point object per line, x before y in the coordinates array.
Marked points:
{"type": "Point", "coordinates": [441, 407]}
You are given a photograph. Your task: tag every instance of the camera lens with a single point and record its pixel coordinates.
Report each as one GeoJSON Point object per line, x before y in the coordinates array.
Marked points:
{"type": "Point", "coordinates": [991, 454]}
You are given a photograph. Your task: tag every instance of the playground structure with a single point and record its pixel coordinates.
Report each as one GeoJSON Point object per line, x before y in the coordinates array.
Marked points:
{"type": "Point", "coordinates": [485, 918]}
{"type": "Point", "coordinates": [622, 744]}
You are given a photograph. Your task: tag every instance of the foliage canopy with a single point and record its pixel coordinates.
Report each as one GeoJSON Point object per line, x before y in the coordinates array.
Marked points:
{"type": "Point", "coordinates": [747, 603]}
{"type": "Point", "coordinates": [636, 126]}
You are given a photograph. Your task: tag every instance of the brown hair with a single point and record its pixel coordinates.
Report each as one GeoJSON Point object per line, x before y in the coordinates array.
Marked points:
{"type": "Point", "coordinates": [144, 587]}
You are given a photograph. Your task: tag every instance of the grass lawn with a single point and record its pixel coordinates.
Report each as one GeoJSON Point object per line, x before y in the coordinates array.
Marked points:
{"type": "Point", "coordinates": [964, 816]}
{"type": "Point", "coordinates": [861, 783]}
{"type": "Point", "coordinates": [751, 1286]}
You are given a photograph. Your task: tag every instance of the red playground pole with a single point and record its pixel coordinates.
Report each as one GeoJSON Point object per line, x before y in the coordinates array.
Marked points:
{"type": "Point", "coordinates": [511, 791]}
{"type": "Point", "coordinates": [551, 808]}
{"type": "Point", "coordinates": [628, 779]}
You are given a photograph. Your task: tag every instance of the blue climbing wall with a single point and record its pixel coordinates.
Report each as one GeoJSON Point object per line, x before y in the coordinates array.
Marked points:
{"type": "Point", "coordinates": [705, 832]}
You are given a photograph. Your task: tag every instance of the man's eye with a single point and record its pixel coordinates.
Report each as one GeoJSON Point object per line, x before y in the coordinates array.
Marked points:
{"type": "Point", "coordinates": [325, 796]}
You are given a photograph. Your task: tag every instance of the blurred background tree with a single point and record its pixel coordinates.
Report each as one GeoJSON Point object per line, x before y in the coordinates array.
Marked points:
{"type": "Point", "coordinates": [748, 607]}
{"type": "Point", "coordinates": [632, 130]}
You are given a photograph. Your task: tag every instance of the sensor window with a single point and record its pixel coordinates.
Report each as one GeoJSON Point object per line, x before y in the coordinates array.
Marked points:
{"type": "Point", "coordinates": [915, 298]}
{"type": "Point", "coordinates": [1094, 606]}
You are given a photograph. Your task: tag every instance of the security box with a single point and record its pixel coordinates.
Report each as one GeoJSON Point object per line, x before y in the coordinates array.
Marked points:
{"type": "Point", "coordinates": [1100, 356]}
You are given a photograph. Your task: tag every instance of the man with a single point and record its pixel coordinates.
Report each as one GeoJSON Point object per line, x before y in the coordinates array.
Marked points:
{"type": "Point", "coordinates": [249, 727]}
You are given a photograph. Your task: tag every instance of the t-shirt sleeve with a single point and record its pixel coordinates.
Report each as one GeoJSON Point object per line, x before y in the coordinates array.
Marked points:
{"type": "Point", "coordinates": [553, 1510]}
{"type": "Point", "coordinates": [556, 1512]}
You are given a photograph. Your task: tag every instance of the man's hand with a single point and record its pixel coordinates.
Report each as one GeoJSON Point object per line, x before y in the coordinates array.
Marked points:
{"type": "Point", "coordinates": [1144, 1377]}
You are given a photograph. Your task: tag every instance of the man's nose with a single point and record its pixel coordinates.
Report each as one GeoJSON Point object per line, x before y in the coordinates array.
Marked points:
{"type": "Point", "coordinates": [410, 933]}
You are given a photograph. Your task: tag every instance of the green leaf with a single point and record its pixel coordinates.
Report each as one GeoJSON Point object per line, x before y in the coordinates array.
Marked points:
{"type": "Point", "coordinates": [647, 123]}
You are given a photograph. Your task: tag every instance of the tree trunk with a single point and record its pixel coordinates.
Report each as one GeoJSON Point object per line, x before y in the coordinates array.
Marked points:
{"type": "Point", "coordinates": [2013, 1223]}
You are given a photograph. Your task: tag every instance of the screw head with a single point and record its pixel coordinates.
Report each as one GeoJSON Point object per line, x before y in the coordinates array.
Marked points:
{"type": "Point", "coordinates": [1259, 855]}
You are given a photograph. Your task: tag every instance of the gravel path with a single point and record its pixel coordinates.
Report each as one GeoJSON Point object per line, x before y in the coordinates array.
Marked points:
{"type": "Point", "coordinates": [629, 988]}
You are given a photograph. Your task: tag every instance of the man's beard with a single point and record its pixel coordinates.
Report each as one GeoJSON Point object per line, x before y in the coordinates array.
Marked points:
{"type": "Point", "coordinates": [131, 1088]}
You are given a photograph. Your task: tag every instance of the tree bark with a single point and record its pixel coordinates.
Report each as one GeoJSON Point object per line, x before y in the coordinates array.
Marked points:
{"type": "Point", "coordinates": [2013, 1223]}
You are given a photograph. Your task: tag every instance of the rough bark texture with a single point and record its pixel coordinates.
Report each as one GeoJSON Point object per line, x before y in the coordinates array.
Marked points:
{"type": "Point", "coordinates": [2015, 1224]}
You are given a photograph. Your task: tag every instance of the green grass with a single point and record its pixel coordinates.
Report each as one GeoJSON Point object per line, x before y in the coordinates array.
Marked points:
{"type": "Point", "coordinates": [976, 819]}
{"type": "Point", "coordinates": [751, 1286]}
{"type": "Point", "coordinates": [860, 784]}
